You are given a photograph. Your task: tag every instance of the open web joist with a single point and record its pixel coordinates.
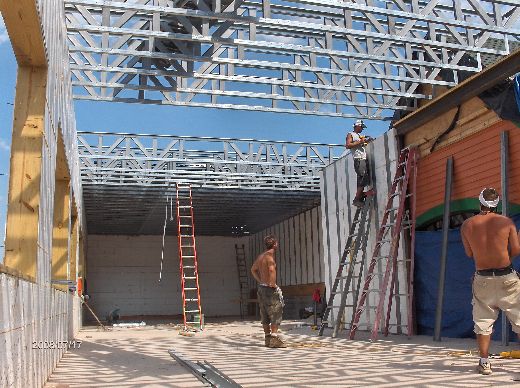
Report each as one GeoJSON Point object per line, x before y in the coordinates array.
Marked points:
{"type": "Point", "coordinates": [361, 58]}
{"type": "Point", "coordinates": [234, 182]}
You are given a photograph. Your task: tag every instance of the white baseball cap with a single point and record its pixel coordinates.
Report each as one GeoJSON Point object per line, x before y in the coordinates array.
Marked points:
{"type": "Point", "coordinates": [360, 123]}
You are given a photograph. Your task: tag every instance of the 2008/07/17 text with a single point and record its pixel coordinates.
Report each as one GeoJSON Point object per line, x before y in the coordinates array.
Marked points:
{"type": "Point", "coordinates": [56, 344]}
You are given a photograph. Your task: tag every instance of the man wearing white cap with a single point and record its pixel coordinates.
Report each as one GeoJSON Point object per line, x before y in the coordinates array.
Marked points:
{"type": "Point", "coordinates": [357, 144]}
{"type": "Point", "coordinates": [492, 241]}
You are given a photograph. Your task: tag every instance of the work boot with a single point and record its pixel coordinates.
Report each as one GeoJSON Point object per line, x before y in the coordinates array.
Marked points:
{"type": "Point", "coordinates": [276, 342]}
{"type": "Point", "coordinates": [267, 340]}
{"type": "Point", "coordinates": [484, 368]}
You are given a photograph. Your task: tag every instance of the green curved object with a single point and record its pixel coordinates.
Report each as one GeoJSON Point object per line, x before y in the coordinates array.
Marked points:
{"type": "Point", "coordinates": [458, 206]}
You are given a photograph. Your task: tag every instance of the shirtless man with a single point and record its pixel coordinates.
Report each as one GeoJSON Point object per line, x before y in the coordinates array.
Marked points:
{"type": "Point", "coordinates": [270, 297]}
{"type": "Point", "coordinates": [492, 241]}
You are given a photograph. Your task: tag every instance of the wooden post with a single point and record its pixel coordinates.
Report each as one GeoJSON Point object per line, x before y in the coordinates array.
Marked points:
{"type": "Point", "coordinates": [74, 240]}
{"type": "Point", "coordinates": [21, 241]}
{"type": "Point", "coordinates": [60, 232]}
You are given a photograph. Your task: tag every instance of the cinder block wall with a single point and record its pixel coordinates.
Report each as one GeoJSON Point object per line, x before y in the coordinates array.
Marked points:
{"type": "Point", "coordinates": [123, 272]}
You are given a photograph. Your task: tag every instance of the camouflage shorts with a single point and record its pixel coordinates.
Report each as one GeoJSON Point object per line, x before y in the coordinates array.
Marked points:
{"type": "Point", "coordinates": [270, 301]}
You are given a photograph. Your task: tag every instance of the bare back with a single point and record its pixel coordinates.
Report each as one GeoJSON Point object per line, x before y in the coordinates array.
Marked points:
{"type": "Point", "coordinates": [264, 268]}
{"type": "Point", "coordinates": [487, 237]}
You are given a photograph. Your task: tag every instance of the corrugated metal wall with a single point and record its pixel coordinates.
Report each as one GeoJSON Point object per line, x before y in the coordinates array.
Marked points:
{"type": "Point", "coordinates": [338, 187]}
{"type": "Point", "coordinates": [300, 249]}
{"type": "Point", "coordinates": [38, 312]}
{"type": "Point", "coordinates": [476, 165]}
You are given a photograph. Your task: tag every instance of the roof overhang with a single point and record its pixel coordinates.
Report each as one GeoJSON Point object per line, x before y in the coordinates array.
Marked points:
{"type": "Point", "coordinates": [465, 91]}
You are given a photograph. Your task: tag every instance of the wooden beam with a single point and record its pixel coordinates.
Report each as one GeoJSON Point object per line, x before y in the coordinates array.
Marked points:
{"type": "Point", "coordinates": [82, 269]}
{"type": "Point", "coordinates": [24, 28]}
{"type": "Point", "coordinates": [21, 242]}
{"type": "Point", "coordinates": [60, 232]}
{"type": "Point", "coordinates": [74, 240]}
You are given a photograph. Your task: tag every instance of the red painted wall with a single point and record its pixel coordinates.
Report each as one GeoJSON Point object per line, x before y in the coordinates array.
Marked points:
{"type": "Point", "coordinates": [476, 164]}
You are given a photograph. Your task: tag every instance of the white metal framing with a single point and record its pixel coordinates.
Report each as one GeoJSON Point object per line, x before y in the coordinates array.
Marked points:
{"type": "Point", "coordinates": [358, 58]}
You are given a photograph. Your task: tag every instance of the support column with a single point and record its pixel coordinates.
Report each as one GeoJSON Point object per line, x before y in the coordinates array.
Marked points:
{"type": "Point", "coordinates": [60, 232]}
{"type": "Point", "coordinates": [21, 242]}
{"type": "Point", "coordinates": [73, 267]}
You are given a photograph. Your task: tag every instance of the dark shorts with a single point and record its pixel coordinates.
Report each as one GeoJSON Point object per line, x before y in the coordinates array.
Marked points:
{"type": "Point", "coordinates": [270, 301]}
{"type": "Point", "coordinates": [361, 168]}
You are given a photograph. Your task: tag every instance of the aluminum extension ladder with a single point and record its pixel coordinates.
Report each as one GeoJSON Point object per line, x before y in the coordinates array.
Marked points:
{"type": "Point", "coordinates": [191, 307]}
{"type": "Point", "coordinates": [242, 279]}
{"type": "Point", "coordinates": [396, 220]}
{"type": "Point", "coordinates": [350, 270]}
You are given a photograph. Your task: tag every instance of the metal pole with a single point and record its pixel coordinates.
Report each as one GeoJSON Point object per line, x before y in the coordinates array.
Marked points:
{"type": "Point", "coordinates": [504, 179]}
{"type": "Point", "coordinates": [444, 251]}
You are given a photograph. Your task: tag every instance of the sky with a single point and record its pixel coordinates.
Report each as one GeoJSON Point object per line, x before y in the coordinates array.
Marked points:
{"type": "Point", "coordinates": [156, 119]}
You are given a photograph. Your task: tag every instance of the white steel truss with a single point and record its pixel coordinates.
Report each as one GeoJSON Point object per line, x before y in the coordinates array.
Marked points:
{"type": "Point", "coordinates": [126, 160]}
{"type": "Point", "coordinates": [358, 58]}
{"type": "Point", "coordinates": [235, 182]}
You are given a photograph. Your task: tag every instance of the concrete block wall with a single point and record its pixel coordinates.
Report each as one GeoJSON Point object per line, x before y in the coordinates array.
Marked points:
{"type": "Point", "coordinates": [123, 272]}
{"type": "Point", "coordinates": [338, 187]}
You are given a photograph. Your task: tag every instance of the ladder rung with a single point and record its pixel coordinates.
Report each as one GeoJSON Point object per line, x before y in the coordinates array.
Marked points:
{"type": "Point", "coordinates": [184, 207]}
{"type": "Point", "coordinates": [391, 209]}
{"type": "Point", "coordinates": [187, 246]}
{"type": "Point", "coordinates": [190, 289]}
{"type": "Point", "coordinates": [191, 311]}
{"type": "Point", "coordinates": [194, 323]}
{"type": "Point", "coordinates": [191, 300]}
{"type": "Point", "coordinates": [188, 256]}
{"type": "Point", "coordinates": [190, 277]}
{"type": "Point", "coordinates": [188, 266]}
{"type": "Point", "coordinates": [186, 235]}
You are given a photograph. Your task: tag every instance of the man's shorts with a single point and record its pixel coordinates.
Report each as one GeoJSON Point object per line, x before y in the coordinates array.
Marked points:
{"type": "Point", "coordinates": [361, 168]}
{"type": "Point", "coordinates": [494, 293]}
{"type": "Point", "coordinates": [271, 305]}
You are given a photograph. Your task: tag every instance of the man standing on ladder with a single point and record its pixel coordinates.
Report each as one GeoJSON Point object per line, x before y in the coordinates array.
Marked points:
{"type": "Point", "coordinates": [357, 144]}
{"type": "Point", "coordinates": [270, 297]}
{"type": "Point", "coordinates": [492, 241]}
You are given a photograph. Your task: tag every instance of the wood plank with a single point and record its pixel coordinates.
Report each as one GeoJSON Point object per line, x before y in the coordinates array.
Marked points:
{"type": "Point", "coordinates": [60, 232]}
{"type": "Point", "coordinates": [24, 28]}
{"type": "Point", "coordinates": [25, 171]}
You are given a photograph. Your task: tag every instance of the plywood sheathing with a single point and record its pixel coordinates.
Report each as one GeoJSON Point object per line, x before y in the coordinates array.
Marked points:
{"type": "Point", "coordinates": [21, 243]}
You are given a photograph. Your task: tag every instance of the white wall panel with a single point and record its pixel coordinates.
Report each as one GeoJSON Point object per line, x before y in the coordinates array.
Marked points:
{"type": "Point", "coordinates": [338, 187]}
{"type": "Point", "coordinates": [31, 314]}
{"type": "Point", "coordinates": [298, 257]}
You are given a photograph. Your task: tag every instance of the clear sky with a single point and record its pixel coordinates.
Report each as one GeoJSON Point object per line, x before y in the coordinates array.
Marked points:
{"type": "Point", "coordinates": [155, 119]}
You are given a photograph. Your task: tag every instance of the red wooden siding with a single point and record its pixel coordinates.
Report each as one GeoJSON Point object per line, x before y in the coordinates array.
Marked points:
{"type": "Point", "coordinates": [476, 164]}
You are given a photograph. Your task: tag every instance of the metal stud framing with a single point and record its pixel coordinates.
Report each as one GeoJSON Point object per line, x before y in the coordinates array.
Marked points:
{"type": "Point", "coordinates": [361, 58]}
{"type": "Point", "coordinates": [235, 182]}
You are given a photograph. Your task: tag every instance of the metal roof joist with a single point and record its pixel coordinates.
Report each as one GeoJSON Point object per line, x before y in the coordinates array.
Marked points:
{"type": "Point", "coordinates": [128, 180]}
{"type": "Point", "coordinates": [325, 57]}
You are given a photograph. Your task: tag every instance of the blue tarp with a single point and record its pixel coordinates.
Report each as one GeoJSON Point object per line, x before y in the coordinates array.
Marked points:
{"type": "Point", "coordinates": [457, 320]}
